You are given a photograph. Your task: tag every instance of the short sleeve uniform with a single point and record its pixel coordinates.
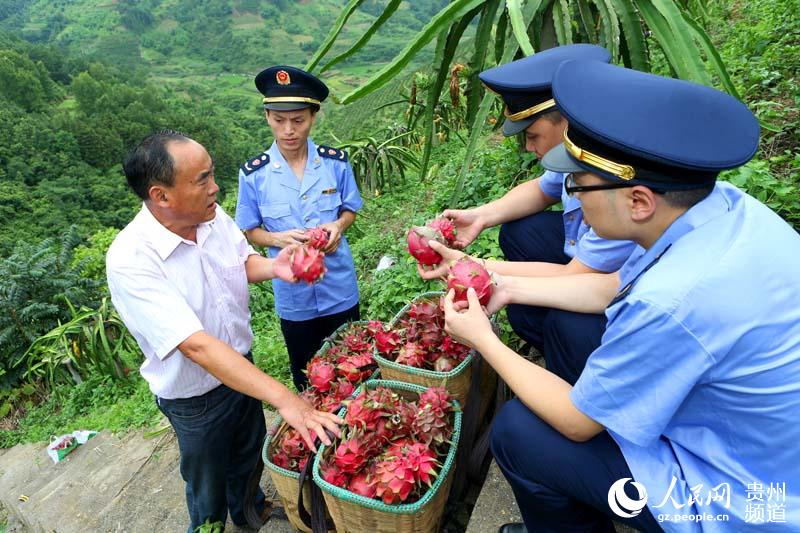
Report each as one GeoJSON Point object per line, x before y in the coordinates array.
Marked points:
{"type": "Point", "coordinates": [699, 368]}
{"type": "Point", "coordinates": [271, 196]}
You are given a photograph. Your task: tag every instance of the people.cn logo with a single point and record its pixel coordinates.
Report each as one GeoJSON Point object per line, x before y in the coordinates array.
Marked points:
{"type": "Point", "coordinates": [621, 504]}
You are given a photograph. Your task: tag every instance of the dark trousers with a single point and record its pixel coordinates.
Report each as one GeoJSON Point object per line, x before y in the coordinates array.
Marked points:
{"type": "Point", "coordinates": [540, 237]}
{"type": "Point", "coordinates": [219, 436]}
{"type": "Point", "coordinates": [304, 337]}
{"type": "Point", "coordinates": [561, 485]}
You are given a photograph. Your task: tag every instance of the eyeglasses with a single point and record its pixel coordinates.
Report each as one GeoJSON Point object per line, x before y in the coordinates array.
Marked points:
{"type": "Point", "coordinates": [571, 187]}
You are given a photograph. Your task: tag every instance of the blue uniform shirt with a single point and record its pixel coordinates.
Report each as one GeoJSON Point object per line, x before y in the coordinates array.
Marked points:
{"type": "Point", "coordinates": [698, 375]}
{"type": "Point", "coordinates": [272, 197]}
{"type": "Point", "coordinates": [579, 239]}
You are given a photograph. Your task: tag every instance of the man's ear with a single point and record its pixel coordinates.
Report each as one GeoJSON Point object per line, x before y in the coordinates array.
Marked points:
{"type": "Point", "coordinates": [159, 195]}
{"type": "Point", "coordinates": [642, 203]}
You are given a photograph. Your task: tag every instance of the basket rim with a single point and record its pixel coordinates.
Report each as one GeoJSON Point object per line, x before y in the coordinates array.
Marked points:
{"type": "Point", "coordinates": [265, 453]}
{"type": "Point", "coordinates": [378, 505]}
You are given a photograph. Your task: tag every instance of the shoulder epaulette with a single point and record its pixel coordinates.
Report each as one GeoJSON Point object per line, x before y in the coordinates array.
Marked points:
{"type": "Point", "coordinates": [255, 163]}
{"type": "Point", "coordinates": [332, 153]}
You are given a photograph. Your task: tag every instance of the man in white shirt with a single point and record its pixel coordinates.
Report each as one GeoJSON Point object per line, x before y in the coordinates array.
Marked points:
{"type": "Point", "coordinates": [178, 276]}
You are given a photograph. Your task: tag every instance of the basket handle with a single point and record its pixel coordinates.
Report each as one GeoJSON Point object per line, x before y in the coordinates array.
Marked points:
{"type": "Point", "coordinates": [316, 520]}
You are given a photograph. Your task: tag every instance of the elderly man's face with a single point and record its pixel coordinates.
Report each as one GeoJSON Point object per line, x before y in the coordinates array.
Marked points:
{"type": "Point", "coordinates": [193, 196]}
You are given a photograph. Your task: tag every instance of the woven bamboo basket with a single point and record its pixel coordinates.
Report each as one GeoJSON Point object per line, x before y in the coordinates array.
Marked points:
{"type": "Point", "coordinates": [456, 381]}
{"type": "Point", "coordinates": [353, 513]}
{"type": "Point", "coordinates": [286, 482]}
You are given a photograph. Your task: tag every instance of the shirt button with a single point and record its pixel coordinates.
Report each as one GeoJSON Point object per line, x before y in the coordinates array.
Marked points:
{"type": "Point", "coordinates": [305, 197]}
{"type": "Point", "coordinates": [572, 242]}
{"type": "Point", "coordinates": [570, 217]}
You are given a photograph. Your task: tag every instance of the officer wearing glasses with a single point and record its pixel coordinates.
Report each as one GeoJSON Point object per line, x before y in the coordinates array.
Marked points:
{"type": "Point", "coordinates": [535, 241]}
{"type": "Point", "coordinates": [693, 395]}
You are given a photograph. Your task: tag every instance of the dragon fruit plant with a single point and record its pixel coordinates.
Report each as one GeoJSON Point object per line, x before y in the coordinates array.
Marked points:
{"type": "Point", "coordinates": [440, 229]}
{"type": "Point", "coordinates": [333, 377]}
{"type": "Point", "coordinates": [391, 449]}
{"type": "Point", "coordinates": [307, 264]}
{"type": "Point", "coordinates": [317, 238]}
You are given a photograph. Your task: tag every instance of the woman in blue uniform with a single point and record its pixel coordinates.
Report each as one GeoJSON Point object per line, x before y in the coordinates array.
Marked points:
{"type": "Point", "coordinates": [293, 186]}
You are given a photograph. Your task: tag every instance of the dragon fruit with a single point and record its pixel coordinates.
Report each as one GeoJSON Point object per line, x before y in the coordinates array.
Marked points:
{"type": "Point", "coordinates": [418, 246]}
{"type": "Point", "coordinates": [394, 480]}
{"type": "Point", "coordinates": [466, 273]}
{"type": "Point", "coordinates": [307, 264]}
{"type": "Point", "coordinates": [387, 342]}
{"type": "Point", "coordinates": [321, 375]}
{"type": "Point", "coordinates": [317, 238]}
{"type": "Point", "coordinates": [446, 227]}
{"type": "Point", "coordinates": [361, 483]}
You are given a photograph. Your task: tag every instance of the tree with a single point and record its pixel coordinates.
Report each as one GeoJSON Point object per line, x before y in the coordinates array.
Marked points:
{"type": "Point", "coordinates": [36, 282]}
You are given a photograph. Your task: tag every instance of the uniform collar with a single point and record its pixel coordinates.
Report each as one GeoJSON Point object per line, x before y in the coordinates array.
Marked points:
{"type": "Point", "coordinates": [164, 241]}
{"type": "Point", "coordinates": [279, 167]}
{"type": "Point", "coordinates": [713, 206]}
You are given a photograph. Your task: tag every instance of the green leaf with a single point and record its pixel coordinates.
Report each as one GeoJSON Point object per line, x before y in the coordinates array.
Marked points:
{"type": "Point", "coordinates": [333, 34]}
{"type": "Point", "coordinates": [444, 57]}
{"type": "Point", "coordinates": [712, 54]}
{"type": "Point", "coordinates": [561, 20]}
{"type": "Point", "coordinates": [609, 25]}
{"type": "Point", "coordinates": [388, 11]}
{"type": "Point", "coordinates": [440, 22]}
{"type": "Point", "coordinates": [687, 52]}
{"type": "Point", "coordinates": [518, 26]}
{"type": "Point", "coordinates": [585, 11]}
{"type": "Point", "coordinates": [481, 45]}
{"type": "Point", "coordinates": [634, 36]}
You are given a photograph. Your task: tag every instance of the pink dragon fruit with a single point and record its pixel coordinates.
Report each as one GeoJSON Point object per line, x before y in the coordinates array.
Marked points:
{"type": "Point", "coordinates": [307, 264]}
{"type": "Point", "coordinates": [317, 238]}
{"type": "Point", "coordinates": [466, 273]}
{"type": "Point", "coordinates": [418, 246]}
{"type": "Point", "coordinates": [446, 227]}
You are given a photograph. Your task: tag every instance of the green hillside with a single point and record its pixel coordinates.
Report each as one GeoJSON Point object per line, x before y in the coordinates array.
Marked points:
{"type": "Point", "coordinates": [181, 40]}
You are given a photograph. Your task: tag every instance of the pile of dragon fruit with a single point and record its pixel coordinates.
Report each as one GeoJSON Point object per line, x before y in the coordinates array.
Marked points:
{"type": "Point", "coordinates": [333, 377]}
{"type": "Point", "coordinates": [391, 449]}
{"type": "Point", "coordinates": [418, 339]}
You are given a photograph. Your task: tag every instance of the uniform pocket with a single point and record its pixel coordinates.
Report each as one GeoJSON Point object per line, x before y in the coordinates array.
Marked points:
{"type": "Point", "coordinates": [276, 217]}
{"type": "Point", "coordinates": [329, 202]}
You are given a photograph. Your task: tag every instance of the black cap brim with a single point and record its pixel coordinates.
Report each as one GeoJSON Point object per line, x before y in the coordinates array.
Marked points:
{"type": "Point", "coordinates": [287, 106]}
{"type": "Point", "coordinates": [559, 160]}
{"type": "Point", "coordinates": [512, 127]}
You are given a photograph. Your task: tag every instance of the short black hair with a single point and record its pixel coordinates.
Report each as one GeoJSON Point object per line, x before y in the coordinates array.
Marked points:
{"type": "Point", "coordinates": [554, 116]}
{"type": "Point", "coordinates": [150, 162]}
{"type": "Point", "coordinates": [688, 198]}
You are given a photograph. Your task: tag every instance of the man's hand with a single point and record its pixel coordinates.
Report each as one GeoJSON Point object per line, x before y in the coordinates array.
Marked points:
{"type": "Point", "coordinates": [466, 322]}
{"type": "Point", "coordinates": [309, 422]}
{"type": "Point", "coordinates": [468, 223]}
{"type": "Point", "coordinates": [282, 239]}
{"type": "Point", "coordinates": [439, 271]}
{"type": "Point", "coordinates": [334, 237]}
{"type": "Point", "coordinates": [281, 265]}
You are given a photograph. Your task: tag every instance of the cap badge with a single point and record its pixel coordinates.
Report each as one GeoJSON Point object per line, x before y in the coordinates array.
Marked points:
{"type": "Point", "coordinates": [282, 77]}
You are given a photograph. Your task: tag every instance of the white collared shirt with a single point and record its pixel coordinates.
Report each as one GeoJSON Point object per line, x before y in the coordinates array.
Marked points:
{"type": "Point", "coordinates": [166, 288]}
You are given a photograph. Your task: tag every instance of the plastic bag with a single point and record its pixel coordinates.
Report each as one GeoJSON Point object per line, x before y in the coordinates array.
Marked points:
{"type": "Point", "coordinates": [62, 446]}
